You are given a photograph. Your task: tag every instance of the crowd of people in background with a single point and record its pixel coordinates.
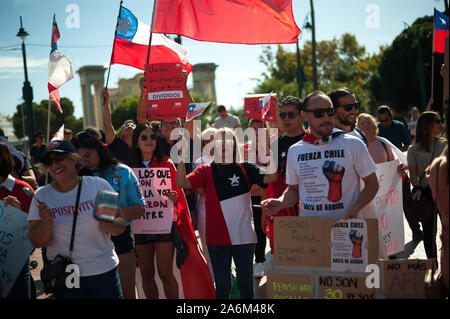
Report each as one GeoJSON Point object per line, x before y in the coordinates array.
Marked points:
{"type": "Point", "coordinates": [231, 195]}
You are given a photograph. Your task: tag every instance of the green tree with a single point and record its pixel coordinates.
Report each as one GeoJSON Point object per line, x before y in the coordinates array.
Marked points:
{"type": "Point", "coordinates": [396, 82]}
{"type": "Point", "coordinates": [126, 109]}
{"type": "Point", "coordinates": [41, 115]}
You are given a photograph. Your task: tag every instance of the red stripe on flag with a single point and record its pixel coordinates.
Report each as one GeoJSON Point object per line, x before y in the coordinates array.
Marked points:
{"type": "Point", "coordinates": [135, 55]}
{"type": "Point", "coordinates": [439, 40]}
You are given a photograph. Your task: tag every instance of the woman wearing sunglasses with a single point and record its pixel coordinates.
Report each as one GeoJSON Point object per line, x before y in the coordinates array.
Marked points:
{"type": "Point", "coordinates": [195, 277]}
{"type": "Point", "coordinates": [230, 231]}
{"type": "Point", "coordinates": [97, 161]}
{"type": "Point", "coordinates": [51, 218]}
{"type": "Point", "coordinates": [428, 146]}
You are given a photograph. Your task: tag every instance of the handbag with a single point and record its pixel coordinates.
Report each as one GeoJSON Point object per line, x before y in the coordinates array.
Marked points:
{"type": "Point", "coordinates": [422, 210]}
{"type": "Point", "coordinates": [434, 283]}
{"type": "Point", "coordinates": [54, 274]}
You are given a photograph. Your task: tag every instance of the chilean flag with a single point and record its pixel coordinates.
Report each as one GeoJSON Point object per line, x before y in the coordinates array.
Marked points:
{"type": "Point", "coordinates": [196, 109]}
{"type": "Point", "coordinates": [59, 67]}
{"type": "Point", "coordinates": [59, 136]}
{"type": "Point", "coordinates": [131, 44]}
{"type": "Point", "coordinates": [264, 104]}
{"type": "Point", "coordinates": [440, 31]}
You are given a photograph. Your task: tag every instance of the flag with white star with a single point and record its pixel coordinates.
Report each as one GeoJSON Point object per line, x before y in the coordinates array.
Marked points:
{"type": "Point", "coordinates": [196, 109]}
{"type": "Point", "coordinates": [441, 24]}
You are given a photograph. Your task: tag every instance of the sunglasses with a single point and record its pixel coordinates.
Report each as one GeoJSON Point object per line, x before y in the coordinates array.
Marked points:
{"type": "Point", "coordinates": [59, 157]}
{"type": "Point", "coordinates": [318, 113]}
{"type": "Point", "coordinates": [291, 115]}
{"type": "Point", "coordinates": [348, 107]}
{"type": "Point", "coordinates": [145, 137]}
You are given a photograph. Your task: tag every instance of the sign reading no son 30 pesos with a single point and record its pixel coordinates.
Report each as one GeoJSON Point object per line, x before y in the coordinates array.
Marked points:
{"type": "Point", "coordinates": [165, 91]}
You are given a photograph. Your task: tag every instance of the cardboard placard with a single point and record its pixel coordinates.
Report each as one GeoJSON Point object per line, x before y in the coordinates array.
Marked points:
{"type": "Point", "coordinates": [165, 91]}
{"type": "Point", "coordinates": [289, 286]}
{"type": "Point", "coordinates": [155, 184]}
{"type": "Point", "coordinates": [305, 241]}
{"type": "Point", "coordinates": [15, 247]}
{"type": "Point", "coordinates": [404, 278]}
{"type": "Point", "coordinates": [252, 108]}
{"type": "Point", "coordinates": [345, 286]}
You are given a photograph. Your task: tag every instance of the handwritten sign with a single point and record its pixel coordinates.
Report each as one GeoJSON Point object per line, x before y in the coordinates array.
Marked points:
{"type": "Point", "coordinates": [15, 247]}
{"type": "Point", "coordinates": [343, 287]}
{"type": "Point", "coordinates": [305, 241]}
{"type": "Point", "coordinates": [389, 208]}
{"type": "Point", "coordinates": [404, 278]}
{"type": "Point", "coordinates": [155, 184]}
{"type": "Point", "coordinates": [348, 245]}
{"type": "Point", "coordinates": [289, 286]}
{"type": "Point", "coordinates": [252, 108]}
{"type": "Point", "coordinates": [165, 91]}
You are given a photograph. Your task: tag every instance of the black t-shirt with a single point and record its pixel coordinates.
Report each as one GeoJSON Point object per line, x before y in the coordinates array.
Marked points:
{"type": "Point", "coordinates": [284, 142]}
{"type": "Point", "coordinates": [37, 152]}
{"type": "Point", "coordinates": [120, 150]}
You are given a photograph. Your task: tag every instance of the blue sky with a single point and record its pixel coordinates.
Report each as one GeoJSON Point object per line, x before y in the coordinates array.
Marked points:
{"type": "Point", "coordinates": [373, 22]}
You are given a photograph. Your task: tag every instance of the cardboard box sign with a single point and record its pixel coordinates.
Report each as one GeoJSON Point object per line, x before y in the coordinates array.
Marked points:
{"type": "Point", "coordinates": [252, 108]}
{"type": "Point", "coordinates": [402, 279]}
{"type": "Point", "coordinates": [289, 286]}
{"type": "Point", "coordinates": [165, 91]}
{"type": "Point", "coordinates": [305, 241]}
{"type": "Point", "coordinates": [332, 286]}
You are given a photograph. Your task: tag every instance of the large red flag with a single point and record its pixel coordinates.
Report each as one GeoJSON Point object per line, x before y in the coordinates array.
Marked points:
{"type": "Point", "coordinates": [441, 24]}
{"type": "Point", "coordinates": [228, 21]}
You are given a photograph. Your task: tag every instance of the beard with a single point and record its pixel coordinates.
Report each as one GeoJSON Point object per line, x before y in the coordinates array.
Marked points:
{"type": "Point", "coordinates": [345, 121]}
{"type": "Point", "coordinates": [322, 129]}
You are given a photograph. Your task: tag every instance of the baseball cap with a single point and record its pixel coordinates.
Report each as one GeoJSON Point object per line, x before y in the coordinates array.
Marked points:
{"type": "Point", "coordinates": [59, 147]}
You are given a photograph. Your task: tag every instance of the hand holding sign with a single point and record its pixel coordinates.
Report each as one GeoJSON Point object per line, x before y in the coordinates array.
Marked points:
{"type": "Point", "coordinates": [11, 200]}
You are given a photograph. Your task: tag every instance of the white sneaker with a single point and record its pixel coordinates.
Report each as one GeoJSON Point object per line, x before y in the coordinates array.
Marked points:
{"type": "Point", "coordinates": [259, 270]}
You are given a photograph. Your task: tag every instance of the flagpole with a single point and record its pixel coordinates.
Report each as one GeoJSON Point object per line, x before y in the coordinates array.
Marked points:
{"type": "Point", "coordinates": [48, 132]}
{"type": "Point", "coordinates": [112, 51]}
{"type": "Point", "coordinates": [152, 25]}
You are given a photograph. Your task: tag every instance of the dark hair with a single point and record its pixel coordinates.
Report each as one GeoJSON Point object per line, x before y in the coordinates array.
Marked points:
{"type": "Point", "coordinates": [103, 138]}
{"type": "Point", "coordinates": [221, 108]}
{"type": "Point", "coordinates": [39, 134]}
{"type": "Point", "coordinates": [86, 140]}
{"type": "Point", "coordinates": [6, 161]}
{"type": "Point", "coordinates": [424, 129]}
{"type": "Point", "coordinates": [292, 100]}
{"type": "Point", "coordinates": [384, 109]}
{"type": "Point", "coordinates": [136, 156]}
{"type": "Point", "coordinates": [255, 121]}
{"type": "Point", "coordinates": [310, 96]}
{"type": "Point", "coordinates": [93, 132]}
{"type": "Point", "coordinates": [2, 133]}
{"type": "Point", "coordinates": [335, 94]}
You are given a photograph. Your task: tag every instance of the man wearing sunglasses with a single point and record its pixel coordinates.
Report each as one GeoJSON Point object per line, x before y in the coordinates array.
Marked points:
{"type": "Point", "coordinates": [347, 108]}
{"type": "Point", "coordinates": [324, 168]}
{"type": "Point", "coordinates": [392, 130]}
{"type": "Point", "coordinates": [290, 108]}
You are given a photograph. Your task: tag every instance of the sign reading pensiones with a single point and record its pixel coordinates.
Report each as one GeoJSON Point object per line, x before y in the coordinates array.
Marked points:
{"type": "Point", "coordinates": [252, 108]}
{"type": "Point", "coordinates": [155, 184]}
{"type": "Point", "coordinates": [306, 241]}
{"type": "Point", "coordinates": [404, 278]}
{"type": "Point", "coordinates": [334, 286]}
{"type": "Point", "coordinates": [165, 91]}
{"type": "Point", "coordinates": [289, 286]}
{"type": "Point", "coordinates": [15, 247]}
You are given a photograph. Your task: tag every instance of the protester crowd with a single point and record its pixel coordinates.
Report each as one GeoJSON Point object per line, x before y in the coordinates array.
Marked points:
{"type": "Point", "coordinates": [229, 193]}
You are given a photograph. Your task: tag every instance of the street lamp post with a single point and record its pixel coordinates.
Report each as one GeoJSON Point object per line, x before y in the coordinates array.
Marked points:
{"type": "Point", "coordinates": [314, 61]}
{"type": "Point", "coordinates": [27, 90]}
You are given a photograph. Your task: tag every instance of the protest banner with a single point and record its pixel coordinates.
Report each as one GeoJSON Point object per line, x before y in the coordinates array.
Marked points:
{"type": "Point", "coordinates": [252, 107]}
{"type": "Point", "coordinates": [345, 286]}
{"type": "Point", "coordinates": [15, 247]}
{"type": "Point", "coordinates": [306, 241]}
{"type": "Point", "coordinates": [389, 209]}
{"type": "Point", "coordinates": [289, 286]}
{"type": "Point", "coordinates": [404, 278]}
{"type": "Point", "coordinates": [349, 245]}
{"type": "Point", "coordinates": [165, 91]}
{"type": "Point", "coordinates": [155, 184]}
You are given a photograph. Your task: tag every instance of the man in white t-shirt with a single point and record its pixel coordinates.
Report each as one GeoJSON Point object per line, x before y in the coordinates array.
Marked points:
{"type": "Point", "coordinates": [323, 169]}
{"type": "Point", "coordinates": [225, 119]}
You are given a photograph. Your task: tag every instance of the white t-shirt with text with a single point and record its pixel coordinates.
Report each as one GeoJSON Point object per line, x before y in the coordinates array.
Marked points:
{"type": "Point", "coordinates": [328, 175]}
{"type": "Point", "coordinates": [93, 249]}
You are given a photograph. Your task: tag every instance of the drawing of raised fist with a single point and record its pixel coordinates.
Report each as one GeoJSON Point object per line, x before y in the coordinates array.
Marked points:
{"type": "Point", "coordinates": [334, 173]}
{"type": "Point", "coordinates": [356, 239]}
